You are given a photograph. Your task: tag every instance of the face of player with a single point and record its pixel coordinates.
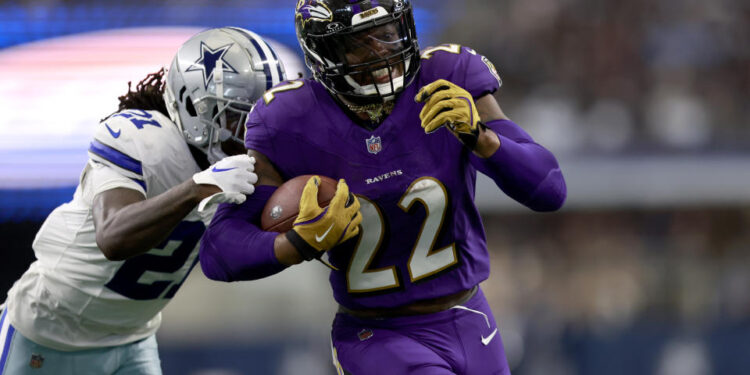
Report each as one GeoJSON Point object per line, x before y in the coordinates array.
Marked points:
{"type": "Point", "coordinates": [379, 46]}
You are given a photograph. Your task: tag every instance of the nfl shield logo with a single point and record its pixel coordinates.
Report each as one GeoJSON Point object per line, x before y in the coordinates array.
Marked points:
{"type": "Point", "coordinates": [36, 361]}
{"type": "Point", "coordinates": [373, 144]}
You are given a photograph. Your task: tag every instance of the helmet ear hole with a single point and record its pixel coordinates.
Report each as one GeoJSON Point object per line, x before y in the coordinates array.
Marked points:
{"type": "Point", "coordinates": [189, 107]}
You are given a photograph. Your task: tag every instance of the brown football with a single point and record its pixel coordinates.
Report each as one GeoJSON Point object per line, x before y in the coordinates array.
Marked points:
{"type": "Point", "coordinates": [282, 208]}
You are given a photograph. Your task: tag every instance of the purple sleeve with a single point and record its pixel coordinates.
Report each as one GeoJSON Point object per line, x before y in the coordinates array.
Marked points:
{"type": "Point", "coordinates": [234, 248]}
{"type": "Point", "coordinates": [524, 170]}
{"type": "Point", "coordinates": [481, 78]}
{"type": "Point", "coordinates": [467, 69]}
{"type": "Point", "coordinates": [258, 136]}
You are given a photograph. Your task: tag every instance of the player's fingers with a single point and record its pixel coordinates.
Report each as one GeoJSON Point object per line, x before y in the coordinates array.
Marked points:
{"type": "Point", "coordinates": [308, 203]}
{"type": "Point", "coordinates": [236, 198]}
{"type": "Point", "coordinates": [428, 90]}
{"type": "Point", "coordinates": [450, 114]}
{"type": "Point", "coordinates": [438, 96]}
{"type": "Point", "coordinates": [355, 205]}
{"type": "Point", "coordinates": [241, 199]}
{"type": "Point", "coordinates": [352, 207]}
{"type": "Point", "coordinates": [240, 162]}
{"type": "Point", "coordinates": [427, 94]}
{"type": "Point", "coordinates": [352, 229]}
{"type": "Point", "coordinates": [248, 183]}
{"type": "Point", "coordinates": [356, 221]}
{"type": "Point", "coordinates": [342, 195]}
{"type": "Point", "coordinates": [252, 178]}
{"type": "Point", "coordinates": [243, 158]}
{"type": "Point", "coordinates": [434, 100]}
{"type": "Point", "coordinates": [436, 109]}
{"type": "Point", "coordinates": [448, 119]}
{"type": "Point", "coordinates": [443, 115]}
{"type": "Point", "coordinates": [248, 190]}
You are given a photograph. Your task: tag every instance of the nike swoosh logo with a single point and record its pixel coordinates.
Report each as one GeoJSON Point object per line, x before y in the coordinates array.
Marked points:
{"type": "Point", "coordinates": [486, 340]}
{"type": "Point", "coordinates": [321, 238]}
{"type": "Point", "coordinates": [114, 134]}
{"type": "Point", "coordinates": [222, 169]}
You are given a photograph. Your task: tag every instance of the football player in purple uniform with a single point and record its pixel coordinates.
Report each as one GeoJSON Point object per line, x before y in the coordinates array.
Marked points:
{"type": "Point", "coordinates": [406, 133]}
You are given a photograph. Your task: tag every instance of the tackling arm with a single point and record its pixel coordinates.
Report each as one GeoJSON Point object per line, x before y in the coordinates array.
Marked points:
{"type": "Point", "coordinates": [127, 224]}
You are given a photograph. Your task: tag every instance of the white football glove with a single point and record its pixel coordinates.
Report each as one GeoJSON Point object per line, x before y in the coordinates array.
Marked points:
{"type": "Point", "coordinates": [233, 175]}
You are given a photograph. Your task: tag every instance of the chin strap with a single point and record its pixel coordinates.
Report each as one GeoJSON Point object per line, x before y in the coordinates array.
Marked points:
{"type": "Point", "coordinates": [375, 111]}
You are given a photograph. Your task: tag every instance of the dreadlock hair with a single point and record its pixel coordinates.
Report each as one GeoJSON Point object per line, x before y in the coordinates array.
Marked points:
{"type": "Point", "coordinates": [148, 95]}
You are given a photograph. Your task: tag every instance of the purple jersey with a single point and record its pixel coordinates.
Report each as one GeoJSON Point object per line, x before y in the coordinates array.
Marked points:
{"type": "Point", "coordinates": [421, 234]}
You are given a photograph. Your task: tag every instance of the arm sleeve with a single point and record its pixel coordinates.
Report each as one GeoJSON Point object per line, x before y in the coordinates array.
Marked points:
{"type": "Point", "coordinates": [524, 170]}
{"type": "Point", "coordinates": [234, 247]}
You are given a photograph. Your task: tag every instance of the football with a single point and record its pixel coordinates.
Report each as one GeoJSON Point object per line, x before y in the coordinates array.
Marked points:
{"type": "Point", "coordinates": [282, 208]}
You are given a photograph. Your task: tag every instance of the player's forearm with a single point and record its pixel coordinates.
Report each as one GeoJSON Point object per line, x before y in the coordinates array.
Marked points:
{"type": "Point", "coordinates": [487, 144]}
{"type": "Point", "coordinates": [524, 170]}
{"type": "Point", "coordinates": [285, 252]}
{"type": "Point", "coordinates": [135, 228]}
{"type": "Point", "coordinates": [234, 248]}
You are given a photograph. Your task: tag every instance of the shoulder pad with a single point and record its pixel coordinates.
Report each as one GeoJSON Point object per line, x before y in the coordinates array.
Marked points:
{"type": "Point", "coordinates": [294, 96]}
{"type": "Point", "coordinates": [460, 65]}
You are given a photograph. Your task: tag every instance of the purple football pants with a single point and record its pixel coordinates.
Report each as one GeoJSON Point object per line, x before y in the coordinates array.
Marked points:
{"type": "Point", "coordinates": [461, 340]}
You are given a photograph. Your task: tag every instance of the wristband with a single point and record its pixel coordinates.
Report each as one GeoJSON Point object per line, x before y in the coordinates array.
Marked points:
{"type": "Point", "coordinates": [303, 248]}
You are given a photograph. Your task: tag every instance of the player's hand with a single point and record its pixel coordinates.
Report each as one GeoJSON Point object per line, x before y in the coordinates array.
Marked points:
{"type": "Point", "coordinates": [316, 229]}
{"type": "Point", "coordinates": [233, 175]}
{"type": "Point", "coordinates": [449, 105]}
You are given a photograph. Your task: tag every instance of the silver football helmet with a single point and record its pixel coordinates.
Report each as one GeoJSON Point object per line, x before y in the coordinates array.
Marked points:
{"type": "Point", "coordinates": [213, 83]}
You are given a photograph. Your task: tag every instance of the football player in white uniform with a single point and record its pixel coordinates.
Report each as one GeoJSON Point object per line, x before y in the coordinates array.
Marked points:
{"type": "Point", "coordinates": [112, 258]}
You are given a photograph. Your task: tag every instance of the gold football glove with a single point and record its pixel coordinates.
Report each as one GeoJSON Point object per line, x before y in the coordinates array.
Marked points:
{"type": "Point", "coordinates": [317, 229]}
{"type": "Point", "coordinates": [447, 104]}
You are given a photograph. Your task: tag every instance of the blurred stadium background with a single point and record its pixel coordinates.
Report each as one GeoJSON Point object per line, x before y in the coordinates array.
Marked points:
{"type": "Point", "coordinates": [646, 270]}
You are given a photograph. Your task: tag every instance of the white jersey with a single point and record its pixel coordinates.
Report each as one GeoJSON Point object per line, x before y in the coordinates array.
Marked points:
{"type": "Point", "coordinates": [72, 297]}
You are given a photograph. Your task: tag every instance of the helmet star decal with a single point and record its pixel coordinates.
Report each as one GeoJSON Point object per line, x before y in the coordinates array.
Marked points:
{"type": "Point", "coordinates": [207, 62]}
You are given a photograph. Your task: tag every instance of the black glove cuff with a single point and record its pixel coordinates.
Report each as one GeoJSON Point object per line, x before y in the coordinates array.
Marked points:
{"type": "Point", "coordinates": [481, 126]}
{"type": "Point", "coordinates": [303, 248]}
{"type": "Point", "coordinates": [470, 139]}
